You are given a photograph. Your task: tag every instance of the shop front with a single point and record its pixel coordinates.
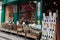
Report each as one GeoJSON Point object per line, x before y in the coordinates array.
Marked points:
{"type": "Point", "coordinates": [23, 17]}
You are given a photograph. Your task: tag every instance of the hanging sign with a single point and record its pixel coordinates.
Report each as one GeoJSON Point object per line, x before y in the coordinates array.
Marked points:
{"type": "Point", "coordinates": [38, 14]}
{"type": "Point", "coordinates": [38, 10]}
{"type": "Point", "coordinates": [15, 9]}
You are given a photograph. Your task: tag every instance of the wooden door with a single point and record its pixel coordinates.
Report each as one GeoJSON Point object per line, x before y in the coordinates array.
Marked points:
{"type": "Point", "coordinates": [58, 30]}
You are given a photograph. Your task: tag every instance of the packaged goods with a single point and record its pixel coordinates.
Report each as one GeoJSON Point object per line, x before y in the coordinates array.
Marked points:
{"type": "Point", "coordinates": [48, 26]}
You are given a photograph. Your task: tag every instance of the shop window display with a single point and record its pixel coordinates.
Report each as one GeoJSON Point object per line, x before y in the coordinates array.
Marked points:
{"type": "Point", "coordinates": [9, 17]}
{"type": "Point", "coordinates": [26, 23]}
{"type": "Point", "coordinates": [27, 12]}
{"type": "Point", "coordinates": [11, 13]}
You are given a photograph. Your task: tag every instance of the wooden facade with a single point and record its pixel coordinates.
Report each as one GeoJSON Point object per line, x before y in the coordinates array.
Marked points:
{"type": "Point", "coordinates": [7, 3]}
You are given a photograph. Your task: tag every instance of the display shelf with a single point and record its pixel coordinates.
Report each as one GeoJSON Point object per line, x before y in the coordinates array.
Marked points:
{"type": "Point", "coordinates": [7, 30]}
{"type": "Point", "coordinates": [34, 36]}
{"type": "Point", "coordinates": [49, 26]}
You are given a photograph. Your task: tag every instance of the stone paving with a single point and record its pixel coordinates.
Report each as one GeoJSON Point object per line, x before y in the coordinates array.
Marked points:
{"type": "Point", "coordinates": [5, 36]}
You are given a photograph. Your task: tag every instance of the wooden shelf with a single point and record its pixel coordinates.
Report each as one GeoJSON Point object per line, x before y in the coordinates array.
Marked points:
{"type": "Point", "coordinates": [21, 33]}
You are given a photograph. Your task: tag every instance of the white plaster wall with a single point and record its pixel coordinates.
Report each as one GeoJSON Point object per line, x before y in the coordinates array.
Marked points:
{"type": "Point", "coordinates": [0, 12]}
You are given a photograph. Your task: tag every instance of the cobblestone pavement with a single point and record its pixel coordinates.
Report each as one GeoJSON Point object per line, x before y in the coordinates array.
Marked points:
{"type": "Point", "coordinates": [5, 36]}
